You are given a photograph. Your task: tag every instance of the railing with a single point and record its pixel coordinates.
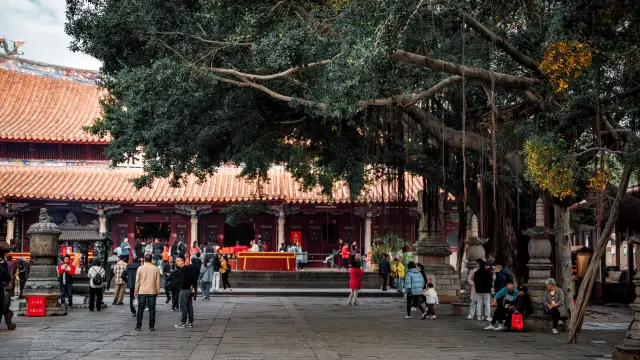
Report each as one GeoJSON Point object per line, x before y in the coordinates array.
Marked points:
{"type": "Point", "coordinates": [316, 257]}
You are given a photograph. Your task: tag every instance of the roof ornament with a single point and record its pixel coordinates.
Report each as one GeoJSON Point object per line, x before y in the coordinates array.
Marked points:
{"type": "Point", "coordinates": [16, 45]}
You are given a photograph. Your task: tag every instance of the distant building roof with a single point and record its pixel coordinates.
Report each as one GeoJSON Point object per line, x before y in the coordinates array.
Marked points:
{"type": "Point", "coordinates": [101, 184]}
{"type": "Point", "coordinates": [47, 103]}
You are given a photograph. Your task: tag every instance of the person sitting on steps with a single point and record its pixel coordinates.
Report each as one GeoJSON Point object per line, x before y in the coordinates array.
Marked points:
{"type": "Point", "coordinates": [505, 302]}
{"type": "Point", "coordinates": [553, 303]}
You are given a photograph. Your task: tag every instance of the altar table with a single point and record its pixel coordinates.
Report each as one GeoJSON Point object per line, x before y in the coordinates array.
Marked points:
{"type": "Point", "coordinates": [267, 261]}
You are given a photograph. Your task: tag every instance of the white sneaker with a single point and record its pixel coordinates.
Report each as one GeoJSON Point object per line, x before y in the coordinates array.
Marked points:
{"type": "Point", "coordinates": [470, 317]}
{"type": "Point", "coordinates": [480, 318]}
{"type": "Point", "coordinates": [554, 331]}
{"type": "Point", "coordinates": [433, 317]}
{"type": "Point", "coordinates": [407, 317]}
{"type": "Point", "coordinates": [499, 328]}
{"type": "Point", "coordinates": [488, 319]}
{"type": "Point", "coordinates": [490, 327]}
{"type": "Point", "coordinates": [414, 309]}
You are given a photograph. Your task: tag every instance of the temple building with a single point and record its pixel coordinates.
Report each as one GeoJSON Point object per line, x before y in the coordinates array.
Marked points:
{"type": "Point", "coordinates": [48, 160]}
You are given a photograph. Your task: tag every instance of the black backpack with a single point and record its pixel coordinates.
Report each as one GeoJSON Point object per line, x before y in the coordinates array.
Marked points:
{"type": "Point", "coordinates": [97, 279]}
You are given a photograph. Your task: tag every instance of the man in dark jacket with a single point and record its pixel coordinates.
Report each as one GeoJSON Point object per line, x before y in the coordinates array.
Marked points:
{"type": "Point", "coordinates": [482, 279]}
{"type": "Point", "coordinates": [188, 284]}
{"type": "Point", "coordinates": [157, 251]}
{"type": "Point", "coordinates": [384, 269]}
{"type": "Point", "coordinates": [502, 274]}
{"type": "Point", "coordinates": [129, 275]}
{"type": "Point", "coordinates": [23, 274]}
{"type": "Point", "coordinates": [167, 270]}
{"type": "Point", "coordinates": [5, 293]}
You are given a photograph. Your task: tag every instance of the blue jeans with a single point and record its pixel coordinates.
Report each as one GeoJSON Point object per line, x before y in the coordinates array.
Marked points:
{"type": "Point", "coordinates": [399, 282]}
{"type": "Point", "coordinates": [205, 286]}
{"type": "Point", "coordinates": [66, 291]}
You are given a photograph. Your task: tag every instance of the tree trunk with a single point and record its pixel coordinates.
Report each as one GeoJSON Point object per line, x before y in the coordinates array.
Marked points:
{"type": "Point", "coordinates": [563, 254]}
{"type": "Point", "coordinates": [592, 272]}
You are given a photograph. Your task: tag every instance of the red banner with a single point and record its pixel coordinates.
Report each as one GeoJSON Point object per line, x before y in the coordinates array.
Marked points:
{"type": "Point", "coordinates": [36, 306]}
{"type": "Point", "coordinates": [296, 237]}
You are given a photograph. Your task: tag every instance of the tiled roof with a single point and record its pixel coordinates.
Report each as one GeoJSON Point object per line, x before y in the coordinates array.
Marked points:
{"type": "Point", "coordinates": [100, 184]}
{"type": "Point", "coordinates": [46, 109]}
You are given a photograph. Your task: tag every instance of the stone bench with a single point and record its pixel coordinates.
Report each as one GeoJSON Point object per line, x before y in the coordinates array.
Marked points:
{"type": "Point", "coordinates": [543, 323]}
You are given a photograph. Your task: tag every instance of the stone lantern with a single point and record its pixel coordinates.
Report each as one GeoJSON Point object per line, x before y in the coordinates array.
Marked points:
{"type": "Point", "coordinates": [475, 251]}
{"type": "Point", "coordinates": [43, 277]}
{"type": "Point", "coordinates": [539, 253]}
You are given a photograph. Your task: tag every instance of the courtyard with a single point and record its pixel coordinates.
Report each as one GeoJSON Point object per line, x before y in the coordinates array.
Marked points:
{"type": "Point", "coordinates": [257, 327]}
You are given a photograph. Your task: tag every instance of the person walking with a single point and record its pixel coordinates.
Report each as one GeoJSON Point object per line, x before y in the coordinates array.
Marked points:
{"type": "Point", "coordinates": [129, 275]}
{"type": "Point", "coordinates": [473, 296]}
{"type": "Point", "coordinates": [432, 301]}
{"type": "Point", "coordinates": [188, 285]}
{"type": "Point", "coordinates": [121, 285]}
{"type": "Point", "coordinates": [5, 293]}
{"type": "Point", "coordinates": [147, 291]}
{"type": "Point", "coordinates": [110, 268]}
{"type": "Point", "coordinates": [66, 270]}
{"type": "Point", "coordinates": [355, 282]}
{"type": "Point", "coordinates": [414, 286]}
{"type": "Point", "coordinates": [176, 283]}
{"type": "Point", "coordinates": [215, 260]}
{"type": "Point", "coordinates": [482, 281]}
{"type": "Point", "coordinates": [22, 273]}
{"type": "Point", "coordinates": [225, 270]}
{"type": "Point", "coordinates": [167, 270]}
{"type": "Point", "coordinates": [206, 278]}
{"type": "Point", "coordinates": [96, 275]}
{"type": "Point", "coordinates": [384, 269]}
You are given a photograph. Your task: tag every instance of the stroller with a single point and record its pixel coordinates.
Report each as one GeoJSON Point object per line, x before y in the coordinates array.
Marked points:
{"type": "Point", "coordinates": [330, 260]}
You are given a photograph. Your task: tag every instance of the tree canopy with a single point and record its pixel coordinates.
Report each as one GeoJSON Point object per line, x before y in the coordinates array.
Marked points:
{"type": "Point", "coordinates": [346, 89]}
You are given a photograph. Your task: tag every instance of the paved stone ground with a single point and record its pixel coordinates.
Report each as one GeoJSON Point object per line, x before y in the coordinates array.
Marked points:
{"type": "Point", "coordinates": [237, 327]}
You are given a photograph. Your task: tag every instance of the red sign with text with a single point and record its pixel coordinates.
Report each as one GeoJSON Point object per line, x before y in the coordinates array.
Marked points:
{"type": "Point", "coordinates": [36, 306]}
{"type": "Point", "coordinates": [296, 237]}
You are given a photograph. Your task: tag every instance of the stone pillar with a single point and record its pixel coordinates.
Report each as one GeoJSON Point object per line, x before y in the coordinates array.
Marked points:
{"type": "Point", "coordinates": [475, 251]}
{"type": "Point", "coordinates": [367, 232]}
{"type": "Point", "coordinates": [194, 229]}
{"type": "Point", "coordinates": [630, 348]}
{"type": "Point", "coordinates": [539, 253]}
{"type": "Point", "coordinates": [433, 252]}
{"type": "Point", "coordinates": [43, 277]}
{"type": "Point", "coordinates": [10, 229]}
{"type": "Point", "coordinates": [102, 220]}
{"type": "Point", "coordinates": [281, 222]}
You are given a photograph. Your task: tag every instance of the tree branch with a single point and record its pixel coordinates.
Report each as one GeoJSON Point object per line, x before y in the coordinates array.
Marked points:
{"type": "Point", "coordinates": [408, 100]}
{"type": "Point", "coordinates": [207, 41]}
{"type": "Point", "coordinates": [500, 79]}
{"type": "Point", "coordinates": [502, 44]}
{"type": "Point", "coordinates": [267, 77]}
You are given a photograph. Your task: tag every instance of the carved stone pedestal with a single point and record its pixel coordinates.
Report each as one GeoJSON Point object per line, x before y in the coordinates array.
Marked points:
{"type": "Point", "coordinates": [433, 252]}
{"type": "Point", "coordinates": [43, 276]}
{"type": "Point", "coordinates": [630, 348]}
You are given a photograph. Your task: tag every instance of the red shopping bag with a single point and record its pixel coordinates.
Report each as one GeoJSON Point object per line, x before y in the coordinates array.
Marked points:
{"type": "Point", "coordinates": [516, 322]}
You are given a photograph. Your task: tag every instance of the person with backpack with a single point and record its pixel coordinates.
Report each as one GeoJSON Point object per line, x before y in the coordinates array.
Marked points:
{"type": "Point", "coordinates": [206, 277]}
{"type": "Point", "coordinates": [97, 277]}
{"type": "Point", "coordinates": [129, 275]}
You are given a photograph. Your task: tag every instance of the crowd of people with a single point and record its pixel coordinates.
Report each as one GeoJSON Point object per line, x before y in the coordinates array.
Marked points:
{"type": "Point", "coordinates": [145, 268]}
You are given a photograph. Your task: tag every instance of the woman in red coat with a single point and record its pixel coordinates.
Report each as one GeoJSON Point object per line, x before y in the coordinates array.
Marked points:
{"type": "Point", "coordinates": [355, 281]}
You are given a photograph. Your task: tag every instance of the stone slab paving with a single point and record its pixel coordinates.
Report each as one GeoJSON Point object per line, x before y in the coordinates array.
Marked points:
{"type": "Point", "coordinates": [243, 328]}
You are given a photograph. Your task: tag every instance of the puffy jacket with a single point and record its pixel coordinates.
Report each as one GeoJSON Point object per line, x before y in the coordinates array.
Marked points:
{"type": "Point", "coordinates": [414, 282]}
{"type": "Point", "coordinates": [398, 269]}
{"type": "Point", "coordinates": [501, 279]}
{"type": "Point", "coordinates": [482, 280]}
{"type": "Point", "coordinates": [345, 252]}
{"type": "Point", "coordinates": [432, 296]}
{"type": "Point", "coordinates": [355, 281]}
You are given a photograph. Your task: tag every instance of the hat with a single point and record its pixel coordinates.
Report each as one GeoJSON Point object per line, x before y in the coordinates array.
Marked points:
{"type": "Point", "coordinates": [550, 282]}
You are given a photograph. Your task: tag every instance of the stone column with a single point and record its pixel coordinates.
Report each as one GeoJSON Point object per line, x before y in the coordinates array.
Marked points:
{"type": "Point", "coordinates": [367, 232]}
{"type": "Point", "coordinates": [630, 348]}
{"type": "Point", "coordinates": [433, 251]}
{"type": "Point", "coordinates": [102, 220]}
{"type": "Point", "coordinates": [43, 277]}
{"type": "Point", "coordinates": [281, 222]}
{"type": "Point", "coordinates": [539, 253]}
{"type": "Point", "coordinates": [475, 251]}
{"type": "Point", "coordinates": [10, 229]}
{"type": "Point", "coordinates": [194, 229]}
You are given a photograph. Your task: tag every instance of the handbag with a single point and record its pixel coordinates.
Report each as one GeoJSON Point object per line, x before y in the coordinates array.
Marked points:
{"type": "Point", "coordinates": [516, 322]}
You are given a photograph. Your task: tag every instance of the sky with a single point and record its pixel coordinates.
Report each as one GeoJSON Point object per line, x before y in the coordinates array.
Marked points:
{"type": "Point", "coordinates": [40, 24]}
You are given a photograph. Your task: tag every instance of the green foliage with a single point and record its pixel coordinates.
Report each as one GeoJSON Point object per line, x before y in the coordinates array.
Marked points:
{"type": "Point", "coordinates": [233, 213]}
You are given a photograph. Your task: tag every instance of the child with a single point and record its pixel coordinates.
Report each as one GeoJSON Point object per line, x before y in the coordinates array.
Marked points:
{"type": "Point", "coordinates": [432, 300]}
{"type": "Point", "coordinates": [355, 282]}
{"type": "Point", "coordinates": [398, 273]}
